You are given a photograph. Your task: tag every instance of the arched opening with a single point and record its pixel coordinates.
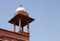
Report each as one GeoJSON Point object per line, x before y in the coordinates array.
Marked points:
{"type": "Point", "coordinates": [25, 28]}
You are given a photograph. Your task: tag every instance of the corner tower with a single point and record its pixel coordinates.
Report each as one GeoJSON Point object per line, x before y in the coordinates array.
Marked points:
{"type": "Point", "coordinates": [21, 18]}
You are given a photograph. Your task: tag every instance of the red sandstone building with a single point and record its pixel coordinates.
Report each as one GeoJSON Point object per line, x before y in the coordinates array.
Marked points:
{"type": "Point", "coordinates": [20, 19]}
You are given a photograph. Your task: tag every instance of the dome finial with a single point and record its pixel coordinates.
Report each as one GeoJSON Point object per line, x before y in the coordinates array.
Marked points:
{"type": "Point", "coordinates": [20, 8]}
{"type": "Point", "coordinates": [20, 5]}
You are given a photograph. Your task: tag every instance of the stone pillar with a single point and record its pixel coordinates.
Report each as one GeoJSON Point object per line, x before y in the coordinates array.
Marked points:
{"type": "Point", "coordinates": [20, 28]}
{"type": "Point", "coordinates": [28, 28]}
{"type": "Point", "coordinates": [14, 28]}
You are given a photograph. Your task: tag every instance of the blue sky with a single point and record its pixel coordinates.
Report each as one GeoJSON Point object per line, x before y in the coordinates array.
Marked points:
{"type": "Point", "coordinates": [46, 13]}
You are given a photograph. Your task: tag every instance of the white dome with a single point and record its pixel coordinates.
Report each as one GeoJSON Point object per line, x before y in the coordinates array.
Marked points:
{"type": "Point", "coordinates": [20, 8]}
{"type": "Point", "coordinates": [21, 11]}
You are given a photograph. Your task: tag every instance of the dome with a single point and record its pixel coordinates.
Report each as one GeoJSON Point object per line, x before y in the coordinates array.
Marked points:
{"type": "Point", "coordinates": [20, 8]}
{"type": "Point", "coordinates": [21, 11]}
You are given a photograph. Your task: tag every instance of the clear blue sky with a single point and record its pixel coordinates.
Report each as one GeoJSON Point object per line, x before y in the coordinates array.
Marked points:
{"type": "Point", "coordinates": [46, 13]}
